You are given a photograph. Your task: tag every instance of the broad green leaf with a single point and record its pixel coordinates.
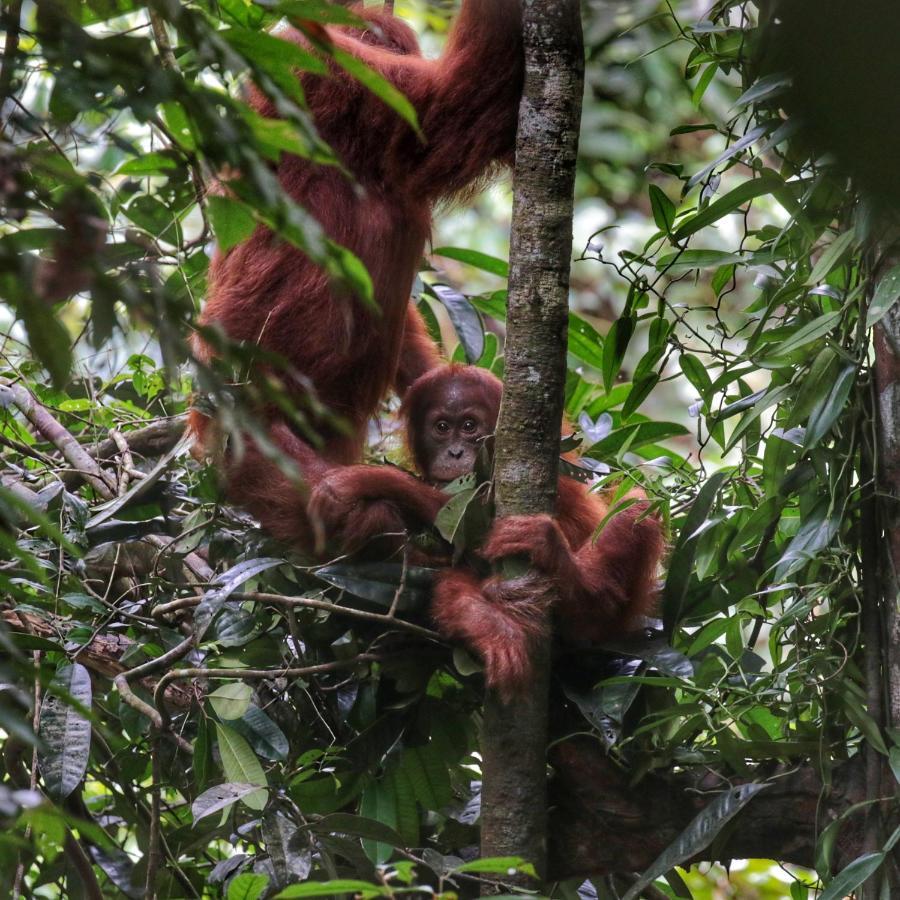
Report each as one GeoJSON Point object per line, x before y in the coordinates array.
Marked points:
{"type": "Point", "coordinates": [266, 738]}
{"type": "Point", "coordinates": [812, 331]}
{"type": "Point", "coordinates": [696, 374]}
{"type": "Point", "coordinates": [614, 346]}
{"type": "Point", "coordinates": [886, 295]}
{"type": "Point", "coordinates": [379, 803]}
{"type": "Point", "coordinates": [663, 209]}
{"type": "Point", "coordinates": [428, 776]}
{"type": "Point", "coordinates": [247, 886]}
{"type": "Point", "coordinates": [698, 835]}
{"type": "Point", "coordinates": [379, 582]}
{"type": "Point", "coordinates": [763, 89]}
{"type": "Point", "coordinates": [585, 342]}
{"type": "Point", "coordinates": [736, 148]}
{"type": "Point", "coordinates": [241, 765]}
{"type": "Point", "coordinates": [364, 889]}
{"type": "Point", "coordinates": [358, 826]}
{"type": "Point", "coordinates": [220, 796]}
{"type": "Point", "coordinates": [825, 413]}
{"type": "Point", "coordinates": [850, 878]}
{"type": "Point", "coordinates": [830, 257]}
{"type": "Point", "coordinates": [64, 731]}
{"type": "Point", "coordinates": [681, 566]}
{"type": "Point", "coordinates": [498, 865]}
{"type": "Point", "coordinates": [225, 585]}
{"type": "Point", "coordinates": [231, 700]}
{"type": "Point", "coordinates": [232, 221]}
{"type": "Point", "coordinates": [465, 319]}
{"type": "Point", "coordinates": [734, 199]}
{"type": "Point", "coordinates": [476, 259]}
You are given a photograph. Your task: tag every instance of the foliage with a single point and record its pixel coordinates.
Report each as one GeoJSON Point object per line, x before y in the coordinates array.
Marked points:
{"type": "Point", "coordinates": [322, 741]}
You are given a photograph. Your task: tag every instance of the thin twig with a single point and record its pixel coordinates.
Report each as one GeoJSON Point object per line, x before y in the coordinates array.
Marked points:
{"type": "Point", "coordinates": [277, 600]}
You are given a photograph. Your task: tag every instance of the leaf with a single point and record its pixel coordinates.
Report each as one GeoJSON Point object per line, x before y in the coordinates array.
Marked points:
{"type": "Point", "coordinates": [241, 765]}
{"type": "Point", "coordinates": [232, 221]}
{"type": "Point", "coordinates": [764, 88]}
{"type": "Point", "coordinates": [825, 413]}
{"type": "Point", "coordinates": [852, 876]}
{"type": "Point", "coordinates": [498, 865]}
{"type": "Point", "coordinates": [815, 533]}
{"type": "Point", "coordinates": [429, 776]}
{"type": "Point", "coordinates": [585, 342]}
{"type": "Point", "coordinates": [749, 190]}
{"type": "Point", "coordinates": [225, 585]}
{"type": "Point", "coordinates": [614, 347]}
{"type": "Point", "coordinates": [698, 835]}
{"type": "Point", "coordinates": [219, 796]}
{"type": "Point", "coordinates": [247, 886]}
{"type": "Point", "coordinates": [696, 374]}
{"type": "Point", "coordinates": [231, 700]}
{"type": "Point", "coordinates": [681, 566]}
{"type": "Point", "coordinates": [330, 888]}
{"type": "Point", "coordinates": [894, 758]}
{"type": "Point", "coordinates": [830, 257]}
{"type": "Point", "coordinates": [733, 150]}
{"type": "Point", "coordinates": [475, 258]}
{"type": "Point", "coordinates": [266, 738]}
{"type": "Point", "coordinates": [684, 260]}
{"type": "Point", "coordinates": [465, 318]}
{"type": "Point", "coordinates": [358, 826]}
{"type": "Point", "coordinates": [156, 163]}
{"type": "Point", "coordinates": [47, 336]}
{"type": "Point", "coordinates": [663, 209]}
{"type": "Point", "coordinates": [378, 582]}
{"type": "Point", "coordinates": [635, 435]}
{"type": "Point", "coordinates": [65, 731]}
{"type": "Point", "coordinates": [886, 295]}
{"type": "Point", "coordinates": [812, 331]}
{"type": "Point", "coordinates": [379, 802]}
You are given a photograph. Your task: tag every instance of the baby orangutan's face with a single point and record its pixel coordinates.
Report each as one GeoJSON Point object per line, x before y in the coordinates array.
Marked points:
{"type": "Point", "coordinates": [454, 425]}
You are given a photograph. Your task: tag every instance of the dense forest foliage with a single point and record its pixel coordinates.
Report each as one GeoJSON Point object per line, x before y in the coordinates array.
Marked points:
{"type": "Point", "coordinates": [190, 710]}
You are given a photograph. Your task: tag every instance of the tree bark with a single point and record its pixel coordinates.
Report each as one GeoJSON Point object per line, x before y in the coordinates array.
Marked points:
{"type": "Point", "coordinates": [526, 466]}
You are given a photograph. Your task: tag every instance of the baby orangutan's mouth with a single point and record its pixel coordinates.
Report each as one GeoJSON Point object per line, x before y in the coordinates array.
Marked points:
{"type": "Point", "coordinates": [444, 473]}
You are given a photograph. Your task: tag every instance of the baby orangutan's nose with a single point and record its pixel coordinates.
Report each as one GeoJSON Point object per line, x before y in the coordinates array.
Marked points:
{"type": "Point", "coordinates": [455, 452]}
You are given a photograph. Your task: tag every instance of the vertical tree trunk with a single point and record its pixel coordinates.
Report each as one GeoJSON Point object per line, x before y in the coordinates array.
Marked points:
{"type": "Point", "coordinates": [526, 466]}
{"type": "Point", "coordinates": [887, 388]}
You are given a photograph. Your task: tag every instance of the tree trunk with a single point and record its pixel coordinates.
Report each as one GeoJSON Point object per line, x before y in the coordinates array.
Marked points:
{"type": "Point", "coordinates": [526, 466]}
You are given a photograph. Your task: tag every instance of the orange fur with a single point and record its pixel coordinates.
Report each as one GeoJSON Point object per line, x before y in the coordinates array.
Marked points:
{"type": "Point", "coordinates": [268, 293]}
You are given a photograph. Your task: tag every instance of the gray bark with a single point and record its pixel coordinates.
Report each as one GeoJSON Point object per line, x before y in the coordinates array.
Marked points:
{"type": "Point", "coordinates": [514, 737]}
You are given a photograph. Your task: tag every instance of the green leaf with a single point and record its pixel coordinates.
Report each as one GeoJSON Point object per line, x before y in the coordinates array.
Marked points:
{"type": "Point", "coordinates": [225, 585]}
{"type": "Point", "coordinates": [232, 221]}
{"type": "Point", "coordinates": [585, 342]}
{"type": "Point", "coordinates": [247, 886]}
{"type": "Point", "coordinates": [852, 876]}
{"type": "Point", "coordinates": [614, 347]}
{"type": "Point", "coordinates": [157, 163]}
{"type": "Point", "coordinates": [886, 295]}
{"type": "Point", "coordinates": [698, 835]}
{"type": "Point", "coordinates": [65, 732]}
{"type": "Point", "coordinates": [47, 336]}
{"type": "Point", "coordinates": [696, 374]}
{"type": "Point", "coordinates": [663, 209]}
{"type": "Point", "coordinates": [498, 865]}
{"type": "Point", "coordinates": [231, 700]}
{"type": "Point", "coordinates": [812, 331]}
{"type": "Point", "coordinates": [830, 257]}
{"type": "Point", "coordinates": [266, 738]}
{"type": "Point", "coordinates": [681, 566]}
{"type": "Point", "coordinates": [704, 82]}
{"type": "Point", "coordinates": [379, 582]}
{"type": "Point", "coordinates": [379, 803]}
{"type": "Point", "coordinates": [330, 888]}
{"type": "Point", "coordinates": [476, 259]}
{"type": "Point", "coordinates": [465, 318]}
{"type": "Point", "coordinates": [826, 412]}
{"type": "Point", "coordinates": [221, 796]}
{"type": "Point", "coordinates": [358, 826]}
{"type": "Point", "coordinates": [745, 192]}
{"type": "Point", "coordinates": [241, 765]}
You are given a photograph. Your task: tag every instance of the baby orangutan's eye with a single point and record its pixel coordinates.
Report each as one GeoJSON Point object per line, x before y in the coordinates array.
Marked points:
{"type": "Point", "coordinates": [469, 426]}
{"type": "Point", "coordinates": [441, 427]}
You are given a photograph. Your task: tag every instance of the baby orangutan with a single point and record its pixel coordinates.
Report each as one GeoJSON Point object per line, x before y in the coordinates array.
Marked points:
{"type": "Point", "coordinates": [601, 587]}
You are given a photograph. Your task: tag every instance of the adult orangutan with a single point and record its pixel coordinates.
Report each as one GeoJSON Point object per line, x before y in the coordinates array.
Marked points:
{"type": "Point", "coordinates": [268, 293]}
{"type": "Point", "coordinates": [601, 587]}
